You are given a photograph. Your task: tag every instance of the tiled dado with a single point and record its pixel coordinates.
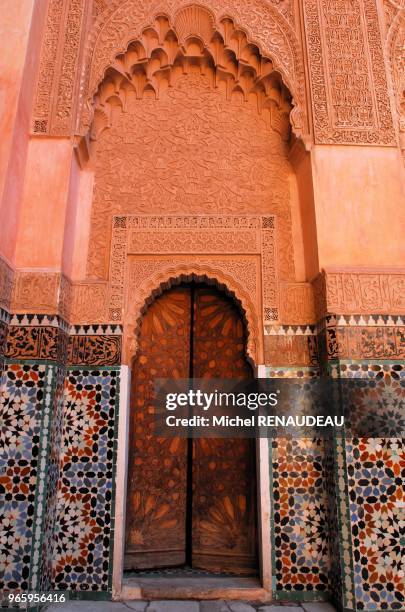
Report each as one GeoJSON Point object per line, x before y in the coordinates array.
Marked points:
{"type": "Point", "coordinates": [299, 509]}
{"type": "Point", "coordinates": [58, 439]}
{"type": "Point", "coordinates": [57, 473]}
{"type": "Point", "coordinates": [26, 399]}
{"type": "Point", "coordinates": [370, 501]}
{"type": "Point", "coordinates": [301, 559]}
{"type": "Point", "coordinates": [50, 338]}
{"type": "Point", "coordinates": [338, 506]}
{"type": "Point", "coordinates": [80, 542]}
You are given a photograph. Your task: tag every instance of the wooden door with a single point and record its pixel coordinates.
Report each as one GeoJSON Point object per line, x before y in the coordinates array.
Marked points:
{"type": "Point", "coordinates": [224, 484]}
{"type": "Point", "coordinates": [189, 502]}
{"type": "Point", "coordinates": [156, 496]}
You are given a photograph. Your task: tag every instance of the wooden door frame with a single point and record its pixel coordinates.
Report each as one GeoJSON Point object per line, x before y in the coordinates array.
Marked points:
{"type": "Point", "coordinates": [120, 591]}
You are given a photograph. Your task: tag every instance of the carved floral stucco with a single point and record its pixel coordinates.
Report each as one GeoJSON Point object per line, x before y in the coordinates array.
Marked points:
{"type": "Point", "coordinates": [200, 154]}
{"type": "Point", "coordinates": [216, 140]}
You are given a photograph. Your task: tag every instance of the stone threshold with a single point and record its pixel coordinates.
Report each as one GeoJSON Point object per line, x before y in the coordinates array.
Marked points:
{"type": "Point", "coordinates": [189, 588]}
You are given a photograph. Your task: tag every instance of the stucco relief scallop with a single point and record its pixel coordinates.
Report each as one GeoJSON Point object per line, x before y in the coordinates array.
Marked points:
{"type": "Point", "coordinates": [264, 23]}
{"type": "Point", "coordinates": [286, 7]}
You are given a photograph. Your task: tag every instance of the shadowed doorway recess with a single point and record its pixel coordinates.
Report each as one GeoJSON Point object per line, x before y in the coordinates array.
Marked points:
{"type": "Point", "coordinates": [190, 503]}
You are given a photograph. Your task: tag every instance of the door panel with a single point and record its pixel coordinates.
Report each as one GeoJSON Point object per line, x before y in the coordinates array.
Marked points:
{"type": "Point", "coordinates": [200, 321]}
{"type": "Point", "coordinates": [224, 492]}
{"type": "Point", "coordinates": [156, 498]}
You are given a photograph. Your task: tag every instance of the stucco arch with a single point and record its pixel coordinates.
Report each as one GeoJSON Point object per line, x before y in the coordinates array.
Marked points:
{"type": "Point", "coordinates": [263, 24]}
{"type": "Point", "coordinates": [173, 275]}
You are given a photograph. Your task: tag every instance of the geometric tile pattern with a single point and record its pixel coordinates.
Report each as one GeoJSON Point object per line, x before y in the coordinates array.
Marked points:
{"type": "Point", "coordinates": [342, 544]}
{"type": "Point", "coordinates": [334, 532]}
{"type": "Point", "coordinates": [299, 506]}
{"type": "Point", "coordinates": [371, 476]}
{"type": "Point", "coordinates": [337, 512]}
{"type": "Point", "coordinates": [82, 534]}
{"type": "Point", "coordinates": [52, 478]}
{"type": "Point", "coordinates": [42, 479]}
{"type": "Point", "coordinates": [376, 478]}
{"type": "Point", "coordinates": [21, 402]}
{"type": "Point", "coordinates": [300, 510]}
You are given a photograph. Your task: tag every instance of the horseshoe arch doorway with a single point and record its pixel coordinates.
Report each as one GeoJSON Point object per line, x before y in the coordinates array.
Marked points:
{"type": "Point", "coordinates": [190, 503]}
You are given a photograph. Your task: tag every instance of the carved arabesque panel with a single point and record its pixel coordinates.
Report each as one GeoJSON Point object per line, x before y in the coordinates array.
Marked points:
{"type": "Point", "coordinates": [297, 303]}
{"type": "Point", "coordinates": [391, 10]}
{"type": "Point", "coordinates": [141, 266]}
{"type": "Point", "coordinates": [66, 73]}
{"type": "Point", "coordinates": [347, 73]}
{"type": "Point", "coordinates": [6, 284]}
{"type": "Point", "coordinates": [36, 292]}
{"type": "Point", "coordinates": [359, 291]}
{"type": "Point", "coordinates": [58, 78]}
{"type": "Point", "coordinates": [200, 154]}
{"type": "Point", "coordinates": [250, 265]}
{"type": "Point", "coordinates": [365, 291]}
{"type": "Point", "coordinates": [146, 276]}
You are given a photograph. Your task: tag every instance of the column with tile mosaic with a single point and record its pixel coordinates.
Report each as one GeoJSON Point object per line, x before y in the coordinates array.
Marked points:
{"type": "Point", "coordinates": [299, 499]}
{"type": "Point", "coordinates": [32, 380]}
{"type": "Point", "coordinates": [60, 394]}
{"type": "Point", "coordinates": [370, 472]}
{"type": "Point", "coordinates": [82, 535]}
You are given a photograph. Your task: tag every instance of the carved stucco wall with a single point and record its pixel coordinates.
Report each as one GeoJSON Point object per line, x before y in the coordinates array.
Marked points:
{"type": "Point", "coordinates": [199, 154]}
{"type": "Point", "coordinates": [394, 21]}
{"type": "Point", "coordinates": [347, 76]}
{"type": "Point", "coordinates": [58, 81]}
{"type": "Point", "coordinates": [209, 149]}
{"type": "Point", "coordinates": [350, 101]}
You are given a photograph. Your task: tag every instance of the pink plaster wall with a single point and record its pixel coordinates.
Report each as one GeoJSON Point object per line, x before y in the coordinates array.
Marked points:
{"type": "Point", "coordinates": [77, 226]}
{"type": "Point", "coordinates": [359, 205]}
{"type": "Point", "coordinates": [43, 208]}
{"type": "Point", "coordinates": [301, 162]}
{"type": "Point", "coordinates": [21, 27]}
